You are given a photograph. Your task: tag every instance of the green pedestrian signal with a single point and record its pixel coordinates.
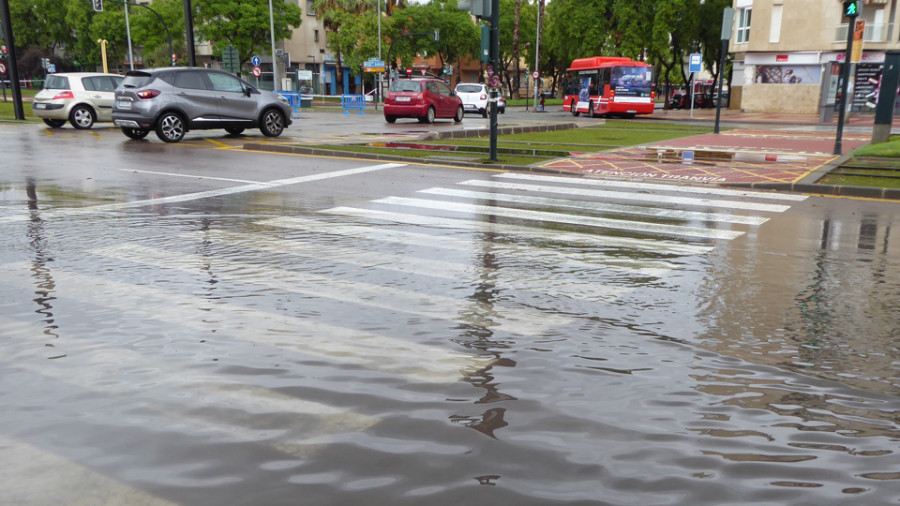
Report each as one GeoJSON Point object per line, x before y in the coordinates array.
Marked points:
{"type": "Point", "coordinates": [851, 9]}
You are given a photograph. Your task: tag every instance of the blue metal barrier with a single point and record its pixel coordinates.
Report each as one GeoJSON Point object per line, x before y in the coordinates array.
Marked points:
{"type": "Point", "coordinates": [293, 99]}
{"type": "Point", "coordinates": [355, 102]}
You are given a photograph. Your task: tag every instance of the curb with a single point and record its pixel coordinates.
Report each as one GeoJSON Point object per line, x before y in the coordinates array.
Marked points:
{"type": "Point", "coordinates": [300, 150]}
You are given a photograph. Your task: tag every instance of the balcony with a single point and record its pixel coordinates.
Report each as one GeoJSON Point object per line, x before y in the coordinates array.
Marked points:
{"type": "Point", "coordinates": [873, 32]}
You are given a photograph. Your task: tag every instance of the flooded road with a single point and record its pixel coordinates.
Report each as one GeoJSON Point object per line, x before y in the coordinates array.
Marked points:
{"type": "Point", "coordinates": [349, 332]}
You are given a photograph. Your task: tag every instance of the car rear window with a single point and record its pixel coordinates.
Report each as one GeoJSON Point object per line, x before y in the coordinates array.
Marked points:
{"type": "Point", "coordinates": [469, 88]}
{"type": "Point", "coordinates": [401, 85]}
{"type": "Point", "coordinates": [56, 83]}
{"type": "Point", "coordinates": [137, 79]}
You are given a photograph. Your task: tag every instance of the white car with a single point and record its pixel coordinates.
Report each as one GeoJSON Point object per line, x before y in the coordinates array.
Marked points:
{"type": "Point", "coordinates": [475, 99]}
{"type": "Point", "coordinates": [81, 98]}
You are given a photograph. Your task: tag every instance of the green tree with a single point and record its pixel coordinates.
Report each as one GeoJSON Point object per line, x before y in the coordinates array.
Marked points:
{"type": "Point", "coordinates": [459, 36]}
{"type": "Point", "coordinates": [244, 24]}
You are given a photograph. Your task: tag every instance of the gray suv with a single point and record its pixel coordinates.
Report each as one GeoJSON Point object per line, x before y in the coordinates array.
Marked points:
{"type": "Point", "coordinates": [172, 101]}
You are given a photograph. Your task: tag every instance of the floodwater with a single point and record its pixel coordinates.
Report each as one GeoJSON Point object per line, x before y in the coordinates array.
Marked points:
{"type": "Point", "coordinates": [405, 352]}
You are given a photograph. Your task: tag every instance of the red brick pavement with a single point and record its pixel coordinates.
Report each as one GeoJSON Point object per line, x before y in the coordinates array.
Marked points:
{"type": "Point", "coordinates": [734, 156]}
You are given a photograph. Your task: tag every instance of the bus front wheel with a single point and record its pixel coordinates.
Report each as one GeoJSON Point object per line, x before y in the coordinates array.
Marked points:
{"type": "Point", "coordinates": [574, 109]}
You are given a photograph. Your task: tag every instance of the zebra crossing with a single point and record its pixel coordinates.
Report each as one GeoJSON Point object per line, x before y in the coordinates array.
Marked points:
{"type": "Point", "coordinates": [371, 292]}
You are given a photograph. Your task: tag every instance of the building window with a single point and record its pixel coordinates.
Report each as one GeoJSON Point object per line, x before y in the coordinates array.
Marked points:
{"type": "Point", "coordinates": [775, 24]}
{"type": "Point", "coordinates": [310, 8]}
{"type": "Point", "coordinates": [316, 36]}
{"type": "Point", "coordinates": [743, 26]}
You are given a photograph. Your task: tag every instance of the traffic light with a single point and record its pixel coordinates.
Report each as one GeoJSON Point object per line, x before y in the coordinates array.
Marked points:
{"type": "Point", "coordinates": [98, 5]}
{"type": "Point", "coordinates": [851, 9]}
{"type": "Point", "coordinates": [478, 8]}
{"type": "Point", "coordinates": [3, 52]}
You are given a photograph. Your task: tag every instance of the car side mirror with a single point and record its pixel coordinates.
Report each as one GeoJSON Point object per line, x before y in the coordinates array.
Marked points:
{"type": "Point", "coordinates": [248, 90]}
{"type": "Point", "coordinates": [452, 93]}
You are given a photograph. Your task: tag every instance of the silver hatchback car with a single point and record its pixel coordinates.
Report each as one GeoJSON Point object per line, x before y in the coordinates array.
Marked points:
{"type": "Point", "coordinates": [81, 98]}
{"type": "Point", "coordinates": [173, 101]}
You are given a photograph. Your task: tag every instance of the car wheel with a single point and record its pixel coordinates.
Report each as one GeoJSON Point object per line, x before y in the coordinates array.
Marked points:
{"type": "Point", "coordinates": [502, 111]}
{"type": "Point", "coordinates": [170, 127]}
{"type": "Point", "coordinates": [484, 112]}
{"type": "Point", "coordinates": [135, 133]}
{"type": "Point", "coordinates": [55, 123]}
{"type": "Point", "coordinates": [82, 117]}
{"type": "Point", "coordinates": [574, 109]}
{"type": "Point", "coordinates": [429, 116]}
{"type": "Point", "coordinates": [272, 123]}
{"type": "Point", "coordinates": [234, 130]}
{"type": "Point", "coordinates": [390, 119]}
{"type": "Point", "coordinates": [459, 115]}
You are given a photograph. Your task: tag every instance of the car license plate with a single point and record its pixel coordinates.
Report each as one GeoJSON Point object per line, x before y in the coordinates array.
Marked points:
{"type": "Point", "coordinates": [40, 106]}
{"type": "Point", "coordinates": [402, 99]}
{"type": "Point", "coordinates": [123, 105]}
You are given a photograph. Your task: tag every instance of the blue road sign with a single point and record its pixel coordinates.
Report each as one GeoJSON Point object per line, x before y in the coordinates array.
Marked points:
{"type": "Point", "coordinates": [255, 61]}
{"type": "Point", "coordinates": [696, 62]}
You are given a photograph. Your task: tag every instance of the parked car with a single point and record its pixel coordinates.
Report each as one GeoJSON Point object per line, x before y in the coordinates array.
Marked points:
{"type": "Point", "coordinates": [172, 101]}
{"type": "Point", "coordinates": [422, 98]}
{"type": "Point", "coordinates": [81, 98]}
{"type": "Point", "coordinates": [501, 104]}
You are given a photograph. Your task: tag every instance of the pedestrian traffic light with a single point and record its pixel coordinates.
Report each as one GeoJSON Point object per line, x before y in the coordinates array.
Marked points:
{"type": "Point", "coordinates": [851, 9]}
{"type": "Point", "coordinates": [98, 5]}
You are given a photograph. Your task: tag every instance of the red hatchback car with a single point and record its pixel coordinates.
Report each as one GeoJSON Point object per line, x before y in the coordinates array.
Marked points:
{"type": "Point", "coordinates": [422, 98]}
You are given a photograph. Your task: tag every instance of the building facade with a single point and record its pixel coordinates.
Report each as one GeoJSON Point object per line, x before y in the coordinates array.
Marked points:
{"type": "Point", "coordinates": [787, 53]}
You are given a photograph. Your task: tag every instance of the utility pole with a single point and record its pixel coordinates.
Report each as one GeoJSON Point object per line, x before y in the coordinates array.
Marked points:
{"type": "Point", "coordinates": [13, 67]}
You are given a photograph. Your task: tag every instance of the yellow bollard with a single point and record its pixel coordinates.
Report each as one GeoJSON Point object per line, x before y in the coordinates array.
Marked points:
{"type": "Point", "coordinates": [103, 43]}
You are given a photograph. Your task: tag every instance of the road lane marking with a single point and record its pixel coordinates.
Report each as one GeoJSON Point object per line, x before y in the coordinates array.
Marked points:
{"type": "Point", "coordinates": [31, 475]}
{"type": "Point", "coordinates": [655, 212]}
{"type": "Point", "coordinates": [657, 186]}
{"type": "Point", "coordinates": [191, 176]}
{"type": "Point", "coordinates": [571, 260]}
{"type": "Point", "coordinates": [201, 195]}
{"type": "Point", "coordinates": [365, 349]}
{"type": "Point", "coordinates": [191, 403]}
{"type": "Point", "coordinates": [588, 221]}
{"type": "Point", "coordinates": [438, 307]}
{"type": "Point", "coordinates": [653, 199]}
{"type": "Point", "coordinates": [466, 274]}
{"type": "Point", "coordinates": [661, 247]}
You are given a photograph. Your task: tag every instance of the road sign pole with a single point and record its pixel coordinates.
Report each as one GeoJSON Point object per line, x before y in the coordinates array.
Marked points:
{"type": "Point", "coordinates": [495, 63]}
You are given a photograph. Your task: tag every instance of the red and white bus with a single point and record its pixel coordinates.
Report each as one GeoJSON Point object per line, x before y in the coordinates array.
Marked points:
{"type": "Point", "coordinates": [609, 85]}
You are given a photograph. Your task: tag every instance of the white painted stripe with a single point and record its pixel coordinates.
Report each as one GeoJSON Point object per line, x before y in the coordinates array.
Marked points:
{"type": "Point", "coordinates": [297, 335]}
{"type": "Point", "coordinates": [202, 195]}
{"type": "Point", "coordinates": [598, 289]}
{"type": "Point", "coordinates": [191, 176]}
{"type": "Point", "coordinates": [657, 186]}
{"type": "Point", "coordinates": [535, 255]}
{"type": "Point", "coordinates": [587, 221]}
{"type": "Point", "coordinates": [176, 396]}
{"type": "Point", "coordinates": [438, 307]}
{"type": "Point", "coordinates": [34, 476]}
{"type": "Point", "coordinates": [662, 247]}
{"type": "Point", "coordinates": [597, 206]}
{"type": "Point", "coordinates": [636, 197]}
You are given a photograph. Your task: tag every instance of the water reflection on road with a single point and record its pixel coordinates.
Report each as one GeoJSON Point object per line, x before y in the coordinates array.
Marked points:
{"type": "Point", "coordinates": [389, 355]}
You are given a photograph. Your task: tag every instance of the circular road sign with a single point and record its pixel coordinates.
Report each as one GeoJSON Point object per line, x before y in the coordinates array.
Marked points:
{"type": "Point", "coordinates": [257, 71]}
{"type": "Point", "coordinates": [255, 61]}
{"type": "Point", "coordinates": [2, 68]}
{"type": "Point", "coordinates": [535, 74]}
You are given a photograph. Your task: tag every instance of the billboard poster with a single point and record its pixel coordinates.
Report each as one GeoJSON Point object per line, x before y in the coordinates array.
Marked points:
{"type": "Point", "coordinates": [865, 86]}
{"type": "Point", "coordinates": [632, 81]}
{"type": "Point", "coordinates": [788, 74]}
